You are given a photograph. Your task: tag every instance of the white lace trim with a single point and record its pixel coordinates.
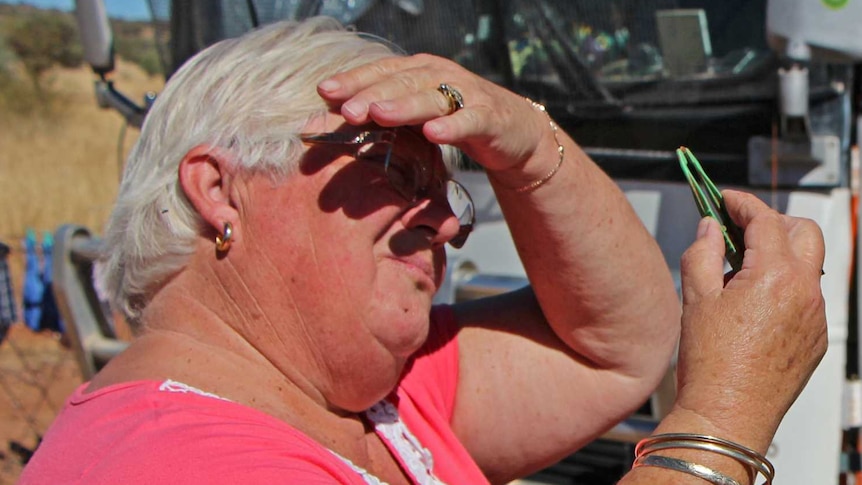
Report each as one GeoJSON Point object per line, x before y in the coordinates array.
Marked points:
{"type": "Point", "coordinates": [417, 458]}
{"type": "Point", "coordinates": [174, 386]}
{"type": "Point", "coordinates": [365, 474]}
{"type": "Point", "coordinates": [387, 423]}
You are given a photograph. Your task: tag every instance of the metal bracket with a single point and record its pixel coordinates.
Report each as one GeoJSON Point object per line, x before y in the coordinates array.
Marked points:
{"type": "Point", "coordinates": [802, 163]}
{"type": "Point", "coordinates": [108, 97]}
{"type": "Point", "coordinates": [86, 315]}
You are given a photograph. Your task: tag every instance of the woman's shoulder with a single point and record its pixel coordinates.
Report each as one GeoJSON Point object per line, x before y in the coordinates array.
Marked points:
{"type": "Point", "coordinates": [158, 430]}
{"type": "Point", "coordinates": [167, 406]}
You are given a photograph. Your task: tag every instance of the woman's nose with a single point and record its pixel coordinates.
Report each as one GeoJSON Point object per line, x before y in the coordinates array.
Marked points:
{"type": "Point", "coordinates": [435, 216]}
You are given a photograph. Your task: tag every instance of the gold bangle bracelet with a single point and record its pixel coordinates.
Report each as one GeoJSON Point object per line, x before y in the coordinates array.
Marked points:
{"type": "Point", "coordinates": [560, 150]}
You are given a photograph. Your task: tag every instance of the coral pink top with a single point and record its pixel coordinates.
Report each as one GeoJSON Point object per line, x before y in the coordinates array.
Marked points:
{"type": "Point", "coordinates": [165, 432]}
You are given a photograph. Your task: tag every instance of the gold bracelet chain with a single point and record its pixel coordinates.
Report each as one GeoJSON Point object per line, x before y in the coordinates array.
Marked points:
{"type": "Point", "coordinates": [560, 149]}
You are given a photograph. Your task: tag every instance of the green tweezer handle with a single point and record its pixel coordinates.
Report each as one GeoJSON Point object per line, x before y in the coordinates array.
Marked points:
{"type": "Point", "coordinates": [710, 203]}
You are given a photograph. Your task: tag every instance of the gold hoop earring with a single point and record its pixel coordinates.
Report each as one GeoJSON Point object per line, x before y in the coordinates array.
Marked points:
{"type": "Point", "coordinates": [223, 241]}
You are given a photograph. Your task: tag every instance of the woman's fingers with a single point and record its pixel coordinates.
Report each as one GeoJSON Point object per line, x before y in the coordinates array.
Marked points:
{"type": "Point", "coordinates": [702, 265]}
{"type": "Point", "coordinates": [397, 90]}
{"type": "Point", "coordinates": [495, 127]}
{"type": "Point", "coordinates": [346, 84]}
{"type": "Point", "coordinates": [411, 109]}
{"type": "Point", "coordinates": [765, 330]}
{"type": "Point", "coordinates": [765, 233]}
{"type": "Point", "coordinates": [772, 236]}
{"type": "Point", "coordinates": [807, 241]}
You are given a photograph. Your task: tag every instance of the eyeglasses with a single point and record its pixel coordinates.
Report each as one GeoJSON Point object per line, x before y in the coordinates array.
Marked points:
{"type": "Point", "coordinates": [414, 168]}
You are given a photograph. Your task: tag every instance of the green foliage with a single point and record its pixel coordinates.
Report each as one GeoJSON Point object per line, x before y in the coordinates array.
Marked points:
{"type": "Point", "coordinates": [42, 39]}
{"type": "Point", "coordinates": [6, 59]}
{"type": "Point", "coordinates": [136, 42]}
{"type": "Point", "coordinates": [125, 28]}
{"type": "Point", "coordinates": [33, 41]}
{"type": "Point", "coordinates": [16, 96]}
{"type": "Point", "coordinates": [139, 50]}
{"type": "Point", "coordinates": [19, 99]}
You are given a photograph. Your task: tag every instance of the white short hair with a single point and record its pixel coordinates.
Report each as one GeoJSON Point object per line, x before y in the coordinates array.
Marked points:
{"type": "Point", "coordinates": [251, 95]}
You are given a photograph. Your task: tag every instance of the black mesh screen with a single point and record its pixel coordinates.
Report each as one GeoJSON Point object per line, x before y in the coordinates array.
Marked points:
{"type": "Point", "coordinates": [600, 67]}
{"type": "Point", "coordinates": [587, 50]}
{"type": "Point", "coordinates": [461, 30]}
{"type": "Point", "coordinates": [630, 79]}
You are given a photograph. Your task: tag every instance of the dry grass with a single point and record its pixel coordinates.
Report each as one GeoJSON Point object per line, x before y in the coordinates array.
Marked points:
{"type": "Point", "coordinates": [59, 165]}
{"type": "Point", "coordinates": [62, 166]}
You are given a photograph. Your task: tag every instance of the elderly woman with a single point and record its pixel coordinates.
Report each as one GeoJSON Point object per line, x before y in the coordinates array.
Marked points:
{"type": "Point", "coordinates": [279, 236]}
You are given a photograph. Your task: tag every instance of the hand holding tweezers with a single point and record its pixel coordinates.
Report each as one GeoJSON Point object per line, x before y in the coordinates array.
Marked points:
{"type": "Point", "coordinates": [710, 203]}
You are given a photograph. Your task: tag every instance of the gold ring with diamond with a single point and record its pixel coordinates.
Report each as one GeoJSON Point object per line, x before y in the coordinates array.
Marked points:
{"type": "Point", "coordinates": [453, 96]}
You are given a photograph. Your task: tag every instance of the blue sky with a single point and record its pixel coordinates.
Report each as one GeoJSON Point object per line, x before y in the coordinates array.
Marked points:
{"type": "Point", "coordinates": [124, 9]}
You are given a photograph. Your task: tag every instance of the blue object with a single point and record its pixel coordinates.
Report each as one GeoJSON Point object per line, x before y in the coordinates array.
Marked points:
{"type": "Point", "coordinates": [47, 257]}
{"type": "Point", "coordinates": [50, 317]}
{"type": "Point", "coordinates": [34, 286]}
{"type": "Point", "coordinates": [40, 307]}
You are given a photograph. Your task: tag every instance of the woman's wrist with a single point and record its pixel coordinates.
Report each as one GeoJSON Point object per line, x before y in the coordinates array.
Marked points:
{"type": "Point", "coordinates": [733, 415]}
{"type": "Point", "coordinates": [696, 429]}
{"type": "Point", "coordinates": [542, 166]}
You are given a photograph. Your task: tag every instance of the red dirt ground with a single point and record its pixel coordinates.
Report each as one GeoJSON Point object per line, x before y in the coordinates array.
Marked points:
{"type": "Point", "coordinates": [37, 373]}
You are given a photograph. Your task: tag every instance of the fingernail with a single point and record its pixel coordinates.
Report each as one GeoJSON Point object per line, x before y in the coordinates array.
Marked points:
{"type": "Point", "coordinates": [434, 128]}
{"type": "Point", "coordinates": [329, 85]}
{"type": "Point", "coordinates": [703, 227]}
{"type": "Point", "coordinates": [385, 106]}
{"type": "Point", "coordinates": [353, 108]}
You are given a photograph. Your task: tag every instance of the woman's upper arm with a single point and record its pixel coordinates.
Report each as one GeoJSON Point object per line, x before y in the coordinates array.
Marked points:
{"type": "Point", "coordinates": [525, 399]}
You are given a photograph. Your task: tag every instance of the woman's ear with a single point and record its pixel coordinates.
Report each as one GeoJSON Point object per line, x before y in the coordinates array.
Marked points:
{"type": "Point", "coordinates": [206, 176]}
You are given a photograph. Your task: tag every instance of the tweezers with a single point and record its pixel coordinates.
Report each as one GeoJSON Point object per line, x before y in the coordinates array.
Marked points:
{"type": "Point", "coordinates": [710, 203]}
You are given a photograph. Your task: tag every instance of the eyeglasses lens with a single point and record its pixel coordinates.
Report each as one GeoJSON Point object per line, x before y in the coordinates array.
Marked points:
{"type": "Point", "coordinates": [415, 169]}
{"type": "Point", "coordinates": [462, 206]}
